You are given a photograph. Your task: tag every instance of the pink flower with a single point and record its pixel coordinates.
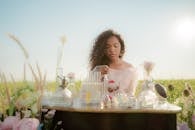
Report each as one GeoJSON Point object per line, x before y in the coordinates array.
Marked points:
{"type": "Point", "coordinates": [71, 75]}
{"type": "Point", "coordinates": [112, 86]}
{"type": "Point", "coordinates": [111, 81]}
{"type": "Point", "coordinates": [9, 122]}
{"type": "Point", "coordinates": [27, 124]}
{"type": "Point", "coordinates": [148, 66]}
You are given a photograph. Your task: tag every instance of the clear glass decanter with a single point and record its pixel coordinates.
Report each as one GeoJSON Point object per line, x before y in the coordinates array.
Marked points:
{"type": "Point", "coordinates": [147, 97]}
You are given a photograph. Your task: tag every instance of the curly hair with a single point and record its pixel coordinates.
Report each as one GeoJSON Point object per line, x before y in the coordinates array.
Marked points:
{"type": "Point", "coordinates": [98, 55]}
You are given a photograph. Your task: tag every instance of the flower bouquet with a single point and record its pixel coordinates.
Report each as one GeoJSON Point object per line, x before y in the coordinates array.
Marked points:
{"type": "Point", "coordinates": [21, 108]}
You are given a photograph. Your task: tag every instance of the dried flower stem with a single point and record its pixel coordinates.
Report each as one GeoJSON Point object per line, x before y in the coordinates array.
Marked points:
{"type": "Point", "coordinates": [60, 55]}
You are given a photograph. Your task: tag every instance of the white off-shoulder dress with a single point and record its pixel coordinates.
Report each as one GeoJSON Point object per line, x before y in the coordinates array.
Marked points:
{"type": "Point", "coordinates": [127, 79]}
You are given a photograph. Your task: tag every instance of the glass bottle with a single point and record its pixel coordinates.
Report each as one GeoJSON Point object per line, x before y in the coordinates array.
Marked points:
{"type": "Point", "coordinates": [147, 97]}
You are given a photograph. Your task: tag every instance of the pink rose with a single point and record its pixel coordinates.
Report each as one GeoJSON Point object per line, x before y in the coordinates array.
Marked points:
{"type": "Point", "coordinates": [9, 122]}
{"type": "Point", "coordinates": [27, 124]}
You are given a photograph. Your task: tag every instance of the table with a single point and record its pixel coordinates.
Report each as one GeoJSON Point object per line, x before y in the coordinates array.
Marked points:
{"type": "Point", "coordinates": [117, 118]}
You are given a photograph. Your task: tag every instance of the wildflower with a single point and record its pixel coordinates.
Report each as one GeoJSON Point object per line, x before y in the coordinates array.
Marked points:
{"type": "Point", "coordinates": [189, 88]}
{"type": "Point", "coordinates": [170, 87]}
{"type": "Point", "coordinates": [186, 92]}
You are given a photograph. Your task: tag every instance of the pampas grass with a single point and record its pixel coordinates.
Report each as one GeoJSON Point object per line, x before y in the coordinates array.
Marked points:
{"type": "Point", "coordinates": [14, 38]}
{"type": "Point", "coordinates": [10, 95]}
{"type": "Point", "coordinates": [25, 52]}
{"type": "Point", "coordinates": [39, 78]}
{"type": "Point", "coordinates": [63, 39]}
{"type": "Point", "coordinates": [40, 81]}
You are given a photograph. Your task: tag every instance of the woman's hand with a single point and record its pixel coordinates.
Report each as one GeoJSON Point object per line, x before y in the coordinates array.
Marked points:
{"type": "Point", "coordinates": [104, 69]}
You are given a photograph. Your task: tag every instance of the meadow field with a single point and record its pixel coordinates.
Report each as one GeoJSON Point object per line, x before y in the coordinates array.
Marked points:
{"type": "Point", "coordinates": [176, 94]}
{"type": "Point", "coordinates": [179, 85]}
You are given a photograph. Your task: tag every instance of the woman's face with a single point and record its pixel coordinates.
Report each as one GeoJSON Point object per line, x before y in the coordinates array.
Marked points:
{"type": "Point", "coordinates": [113, 48]}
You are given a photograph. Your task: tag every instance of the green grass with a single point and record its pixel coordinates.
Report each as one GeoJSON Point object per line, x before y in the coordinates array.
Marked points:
{"type": "Point", "coordinates": [173, 95]}
{"type": "Point", "coordinates": [179, 86]}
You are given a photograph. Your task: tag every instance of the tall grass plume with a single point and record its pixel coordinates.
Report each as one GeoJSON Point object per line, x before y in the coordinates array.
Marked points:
{"type": "Point", "coordinates": [25, 52]}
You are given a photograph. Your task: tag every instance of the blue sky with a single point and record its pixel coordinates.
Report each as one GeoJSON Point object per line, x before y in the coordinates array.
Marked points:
{"type": "Point", "coordinates": [158, 31]}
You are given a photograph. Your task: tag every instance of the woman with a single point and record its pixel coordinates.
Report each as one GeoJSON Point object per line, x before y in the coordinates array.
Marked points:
{"type": "Point", "coordinates": [108, 49]}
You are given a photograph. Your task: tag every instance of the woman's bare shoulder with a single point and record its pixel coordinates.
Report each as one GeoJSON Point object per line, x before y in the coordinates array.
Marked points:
{"type": "Point", "coordinates": [133, 70]}
{"type": "Point", "coordinates": [128, 65]}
